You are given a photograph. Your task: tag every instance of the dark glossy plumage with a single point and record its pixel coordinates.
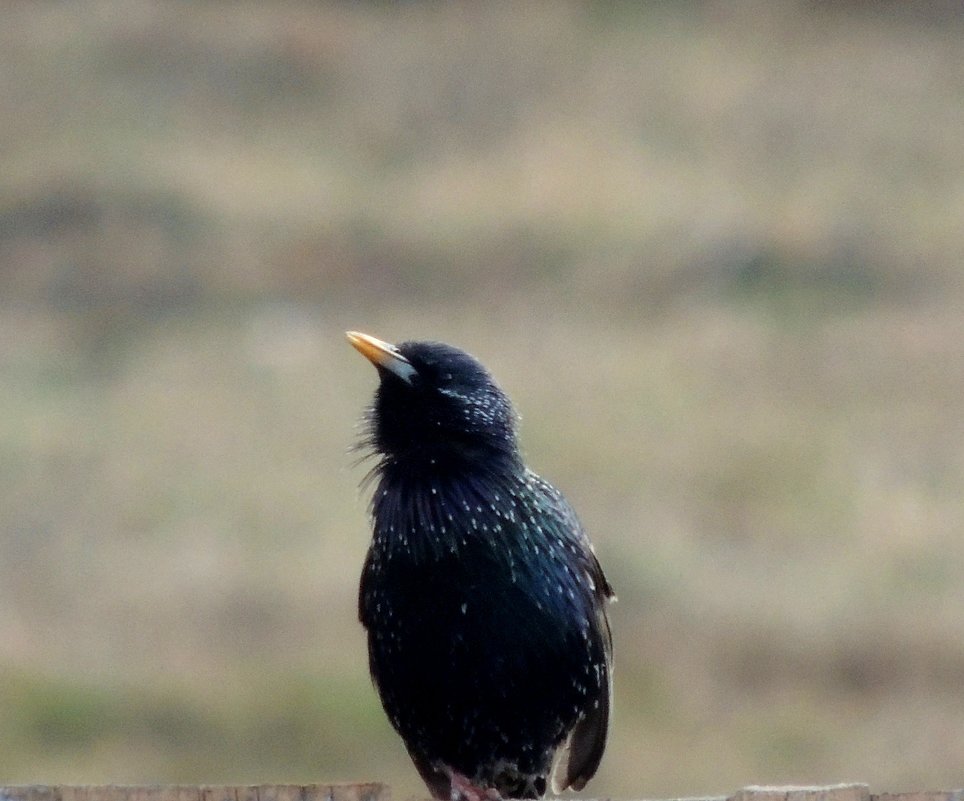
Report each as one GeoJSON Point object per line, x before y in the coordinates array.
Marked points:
{"type": "Point", "coordinates": [484, 603]}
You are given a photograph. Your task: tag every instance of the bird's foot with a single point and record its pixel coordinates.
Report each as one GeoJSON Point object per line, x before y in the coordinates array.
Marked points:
{"type": "Point", "coordinates": [464, 790]}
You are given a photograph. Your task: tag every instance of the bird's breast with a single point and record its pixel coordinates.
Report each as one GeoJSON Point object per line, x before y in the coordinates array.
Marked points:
{"type": "Point", "coordinates": [472, 557]}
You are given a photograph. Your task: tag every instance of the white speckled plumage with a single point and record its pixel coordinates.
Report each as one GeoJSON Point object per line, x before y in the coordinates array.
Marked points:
{"type": "Point", "coordinates": [494, 661]}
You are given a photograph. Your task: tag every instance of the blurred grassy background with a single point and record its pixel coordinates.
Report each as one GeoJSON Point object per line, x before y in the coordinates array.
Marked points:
{"type": "Point", "coordinates": [714, 252]}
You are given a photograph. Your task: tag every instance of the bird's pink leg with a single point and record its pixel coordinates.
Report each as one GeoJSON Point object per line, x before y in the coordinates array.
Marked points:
{"type": "Point", "coordinates": [464, 790]}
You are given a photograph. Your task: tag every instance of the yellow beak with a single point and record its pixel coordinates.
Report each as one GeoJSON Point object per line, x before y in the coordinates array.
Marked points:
{"type": "Point", "coordinates": [382, 354]}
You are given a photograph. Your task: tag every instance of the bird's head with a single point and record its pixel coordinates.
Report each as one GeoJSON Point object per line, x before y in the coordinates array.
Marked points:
{"type": "Point", "coordinates": [436, 405]}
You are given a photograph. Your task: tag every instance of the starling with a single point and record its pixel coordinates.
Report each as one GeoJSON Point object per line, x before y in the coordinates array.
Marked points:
{"type": "Point", "coordinates": [484, 602]}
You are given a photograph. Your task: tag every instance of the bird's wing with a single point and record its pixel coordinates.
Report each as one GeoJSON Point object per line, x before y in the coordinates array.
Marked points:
{"type": "Point", "coordinates": [363, 612]}
{"type": "Point", "coordinates": [581, 754]}
{"type": "Point", "coordinates": [578, 759]}
{"type": "Point", "coordinates": [585, 748]}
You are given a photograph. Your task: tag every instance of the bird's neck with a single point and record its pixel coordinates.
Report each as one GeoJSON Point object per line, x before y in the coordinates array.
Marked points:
{"type": "Point", "coordinates": [432, 466]}
{"type": "Point", "coordinates": [420, 507]}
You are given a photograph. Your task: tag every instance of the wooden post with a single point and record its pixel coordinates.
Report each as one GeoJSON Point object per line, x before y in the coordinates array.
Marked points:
{"type": "Point", "coordinates": [831, 792]}
{"type": "Point", "coordinates": [202, 792]}
{"type": "Point", "coordinates": [381, 792]}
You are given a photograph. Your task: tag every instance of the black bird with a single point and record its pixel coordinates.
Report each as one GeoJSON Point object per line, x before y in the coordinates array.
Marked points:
{"type": "Point", "coordinates": [484, 602]}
